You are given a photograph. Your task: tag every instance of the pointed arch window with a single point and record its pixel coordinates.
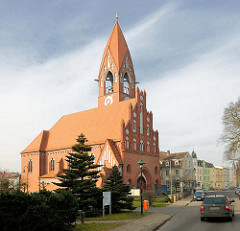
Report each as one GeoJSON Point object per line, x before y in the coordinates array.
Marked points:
{"type": "Point", "coordinates": [148, 129]}
{"type": "Point", "coordinates": [30, 165]}
{"type": "Point", "coordinates": [148, 146]}
{"type": "Point", "coordinates": [134, 126]}
{"type": "Point", "coordinates": [127, 142]}
{"type": "Point", "coordinates": [141, 118]}
{"type": "Point", "coordinates": [109, 83]}
{"type": "Point", "coordinates": [154, 148]}
{"type": "Point", "coordinates": [52, 164]}
{"type": "Point", "coordinates": [141, 145]}
{"type": "Point", "coordinates": [92, 154]}
{"type": "Point", "coordinates": [126, 82]}
{"type": "Point", "coordinates": [134, 144]}
{"type": "Point", "coordinates": [128, 168]}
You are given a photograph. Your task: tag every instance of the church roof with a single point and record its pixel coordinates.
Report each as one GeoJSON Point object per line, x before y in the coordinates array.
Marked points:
{"type": "Point", "coordinates": [116, 45]}
{"type": "Point", "coordinates": [97, 124]}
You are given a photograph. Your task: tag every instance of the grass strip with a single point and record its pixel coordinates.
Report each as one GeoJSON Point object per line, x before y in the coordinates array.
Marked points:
{"type": "Point", "coordinates": [117, 216]}
{"type": "Point", "coordinates": [96, 226]}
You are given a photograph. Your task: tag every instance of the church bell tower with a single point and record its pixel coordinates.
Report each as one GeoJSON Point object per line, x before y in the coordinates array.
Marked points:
{"type": "Point", "coordinates": [116, 75]}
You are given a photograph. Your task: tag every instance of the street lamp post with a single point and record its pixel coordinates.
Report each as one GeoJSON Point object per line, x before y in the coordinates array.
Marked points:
{"type": "Point", "coordinates": [141, 163]}
{"type": "Point", "coordinates": [171, 176]}
{"type": "Point", "coordinates": [27, 175]}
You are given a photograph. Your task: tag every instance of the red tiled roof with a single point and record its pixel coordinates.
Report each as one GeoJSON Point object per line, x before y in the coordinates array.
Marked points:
{"type": "Point", "coordinates": [179, 155]}
{"type": "Point", "coordinates": [96, 124]}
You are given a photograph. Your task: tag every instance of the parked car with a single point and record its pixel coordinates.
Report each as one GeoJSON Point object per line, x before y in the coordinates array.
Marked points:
{"type": "Point", "coordinates": [217, 206]}
{"type": "Point", "coordinates": [199, 196]}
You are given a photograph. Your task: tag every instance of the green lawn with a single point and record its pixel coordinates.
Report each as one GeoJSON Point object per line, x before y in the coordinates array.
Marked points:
{"type": "Point", "coordinates": [158, 202]}
{"type": "Point", "coordinates": [96, 226]}
{"type": "Point", "coordinates": [117, 216]}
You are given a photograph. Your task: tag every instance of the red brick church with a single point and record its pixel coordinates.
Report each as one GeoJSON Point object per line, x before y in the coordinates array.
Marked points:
{"type": "Point", "coordinates": [120, 130]}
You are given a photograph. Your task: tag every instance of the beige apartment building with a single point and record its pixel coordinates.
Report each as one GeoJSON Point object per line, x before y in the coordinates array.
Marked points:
{"type": "Point", "coordinates": [218, 177]}
{"type": "Point", "coordinates": [212, 177]}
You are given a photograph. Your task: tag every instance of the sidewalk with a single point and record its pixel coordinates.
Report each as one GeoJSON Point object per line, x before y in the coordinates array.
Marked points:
{"type": "Point", "coordinates": [151, 222]}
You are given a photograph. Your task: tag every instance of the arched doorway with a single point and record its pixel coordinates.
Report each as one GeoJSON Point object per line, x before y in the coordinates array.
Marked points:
{"type": "Point", "coordinates": [144, 183]}
{"type": "Point", "coordinates": [146, 179]}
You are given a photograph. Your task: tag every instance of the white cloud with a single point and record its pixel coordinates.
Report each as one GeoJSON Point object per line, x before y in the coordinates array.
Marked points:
{"type": "Point", "coordinates": [188, 103]}
{"type": "Point", "coordinates": [37, 97]}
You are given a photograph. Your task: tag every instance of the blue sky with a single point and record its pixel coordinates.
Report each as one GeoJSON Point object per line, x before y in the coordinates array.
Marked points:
{"type": "Point", "coordinates": [185, 55]}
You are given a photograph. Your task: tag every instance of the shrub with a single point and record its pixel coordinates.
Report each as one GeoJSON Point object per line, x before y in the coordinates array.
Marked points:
{"type": "Point", "coordinates": [37, 211]}
{"type": "Point", "coordinates": [150, 196]}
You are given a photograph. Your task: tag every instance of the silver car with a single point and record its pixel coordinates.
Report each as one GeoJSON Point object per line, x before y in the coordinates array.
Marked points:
{"type": "Point", "coordinates": [217, 206]}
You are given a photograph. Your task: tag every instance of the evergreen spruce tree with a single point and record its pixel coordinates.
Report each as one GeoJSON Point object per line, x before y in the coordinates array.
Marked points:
{"type": "Point", "coordinates": [81, 177]}
{"type": "Point", "coordinates": [119, 190]}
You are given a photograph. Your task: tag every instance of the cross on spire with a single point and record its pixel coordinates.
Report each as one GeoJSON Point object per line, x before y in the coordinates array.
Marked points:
{"type": "Point", "coordinates": [116, 16]}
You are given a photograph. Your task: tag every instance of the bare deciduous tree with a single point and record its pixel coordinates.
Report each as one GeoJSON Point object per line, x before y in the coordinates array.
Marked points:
{"type": "Point", "coordinates": [231, 132]}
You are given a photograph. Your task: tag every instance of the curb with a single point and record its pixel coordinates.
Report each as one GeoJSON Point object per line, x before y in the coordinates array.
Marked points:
{"type": "Point", "coordinates": [156, 228]}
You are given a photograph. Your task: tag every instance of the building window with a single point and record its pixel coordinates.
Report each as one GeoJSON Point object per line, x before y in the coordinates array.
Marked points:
{"type": "Point", "coordinates": [148, 146]}
{"type": "Point", "coordinates": [128, 168]}
{"type": "Point", "coordinates": [109, 83]}
{"type": "Point", "coordinates": [177, 172]}
{"type": "Point", "coordinates": [126, 82]}
{"type": "Point", "coordinates": [92, 154]}
{"type": "Point", "coordinates": [30, 165]}
{"type": "Point", "coordinates": [134, 144]}
{"type": "Point", "coordinates": [127, 142]}
{"type": "Point", "coordinates": [154, 148]}
{"type": "Point", "coordinates": [52, 164]}
{"type": "Point", "coordinates": [134, 126]}
{"type": "Point", "coordinates": [148, 129]}
{"type": "Point", "coordinates": [141, 145]}
{"type": "Point", "coordinates": [177, 162]}
{"type": "Point", "coordinates": [141, 118]}
{"type": "Point", "coordinates": [167, 173]}
{"type": "Point", "coordinates": [156, 170]}
{"type": "Point", "coordinates": [167, 163]}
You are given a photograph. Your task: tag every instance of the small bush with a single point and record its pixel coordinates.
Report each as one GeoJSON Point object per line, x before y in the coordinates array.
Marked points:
{"type": "Point", "coordinates": [150, 196]}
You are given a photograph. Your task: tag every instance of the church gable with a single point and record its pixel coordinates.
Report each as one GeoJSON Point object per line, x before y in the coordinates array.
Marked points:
{"type": "Point", "coordinates": [109, 155]}
{"type": "Point", "coordinates": [139, 134]}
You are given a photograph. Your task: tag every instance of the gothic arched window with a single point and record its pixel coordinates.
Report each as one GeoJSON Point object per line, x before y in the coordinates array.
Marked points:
{"type": "Point", "coordinates": [30, 165]}
{"type": "Point", "coordinates": [109, 83]}
{"type": "Point", "coordinates": [126, 82]}
{"type": "Point", "coordinates": [128, 168]}
{"type": "Point", "coordinates": [92, 154]}
{"type": "Point", "coordinates": [134, 126]}
{"type": "Point", "coordinates": [141, 145]}
{"type": "Point", "coordinates": [127, 142]}
{"type": "Point", "coordinates": [134, 144]}
{"type": "Point", "coordinates": [148, 129]}
{"type": "Point", "coordinates": [52, 164]}
{"type": "Point", "coordinates": [148, 146]}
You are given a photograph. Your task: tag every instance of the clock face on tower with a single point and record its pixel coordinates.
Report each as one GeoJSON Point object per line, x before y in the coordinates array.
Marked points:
{"type": "Point", "coordinates": [108, 100]}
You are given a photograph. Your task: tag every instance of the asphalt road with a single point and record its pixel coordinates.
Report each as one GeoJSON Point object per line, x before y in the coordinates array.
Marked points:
{"type": "Point", "coordinates": [188, 218]}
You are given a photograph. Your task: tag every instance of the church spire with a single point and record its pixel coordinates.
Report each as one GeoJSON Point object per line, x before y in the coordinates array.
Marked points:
{"type": "Point", "coordinates": [116, 74]}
